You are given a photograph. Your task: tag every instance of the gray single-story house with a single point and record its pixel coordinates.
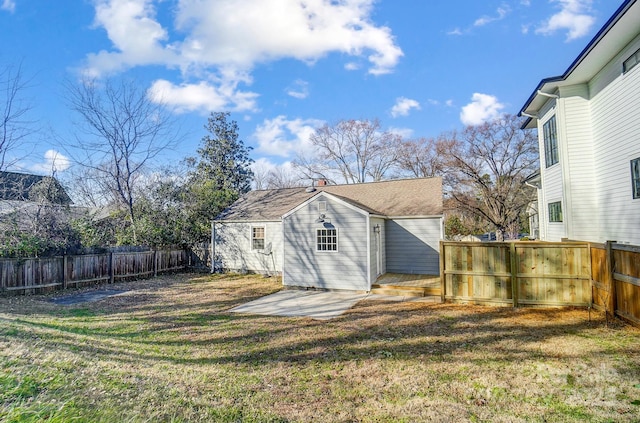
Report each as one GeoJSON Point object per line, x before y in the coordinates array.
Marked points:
{"type": "Point", "coordinates": [334, 236]}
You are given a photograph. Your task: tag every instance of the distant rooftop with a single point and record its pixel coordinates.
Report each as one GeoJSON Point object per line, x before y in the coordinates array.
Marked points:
{"type": "Point", "coordinates": [18, 187]}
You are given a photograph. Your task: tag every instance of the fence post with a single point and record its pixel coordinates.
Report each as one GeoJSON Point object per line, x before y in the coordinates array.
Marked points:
{"type": "Point", "coordinates": [613, 300]}
{"type": "Point", "coordinates": [64, 271]}
{"type": "Point", "coordinates": [442, 276]}
{"type": "Point", "coordinates": [111, 267]}
{"type": "Point", "coordinates": [155, 263]}
{"type": "Point", "coordinates": [514, 273]}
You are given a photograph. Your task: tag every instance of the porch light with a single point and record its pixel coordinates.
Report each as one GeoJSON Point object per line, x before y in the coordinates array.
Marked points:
{"type": "Point", "coordinates": [376, 229]}
{"type": "Point", "coordinates": [320, 218]}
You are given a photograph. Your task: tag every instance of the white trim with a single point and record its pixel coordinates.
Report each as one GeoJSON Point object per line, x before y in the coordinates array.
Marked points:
{"type": "Point", "coordinates": [264, 237]}
{"type": "Point", "coordinates": [337, 250]}
{"type": "Point", "coordinates": [369, 229]}
{"type": "Point", "coordinates": [249, 221]}
{"type": "Point", "coordinates": [428, 216]}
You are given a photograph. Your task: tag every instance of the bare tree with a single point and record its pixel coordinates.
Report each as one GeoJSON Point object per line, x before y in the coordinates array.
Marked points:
{"type": "Point", "coordinates": [353, 150]}
{"type": "Point", "coordinates": [121, 131]}
{"type": "Point", "coordinates": [424, 157]}
{"type": "Point", "coordinates": [14, 108]}
{"type": "Point", "coordinates": [488, 164]}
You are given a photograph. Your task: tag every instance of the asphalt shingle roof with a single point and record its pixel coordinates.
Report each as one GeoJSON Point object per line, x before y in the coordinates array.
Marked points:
{"type": "Point", "coordinates": [394, 198]}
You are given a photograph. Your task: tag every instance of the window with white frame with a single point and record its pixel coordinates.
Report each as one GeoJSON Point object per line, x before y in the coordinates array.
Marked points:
{"type": "Point", "coordinates": [257, 238]}
{"type": "Point", "coordinates": [635, 177]}
{"type": "Point", "coordinates": [631, 62]}
{"type": "Point", "coordinates": [555, 212]}
{"type": "Point", "coordinates": [327, 239]}
{"type": "Point", "coordinates": [550, 135]}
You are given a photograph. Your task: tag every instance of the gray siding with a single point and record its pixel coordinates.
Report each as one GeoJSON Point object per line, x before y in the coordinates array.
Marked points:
{"type": "Point", "coordinates": [233, 246]}
{"type": "Point", "coordinates": [346, 268]}
{"type": "Point", "coordinates": [412, 246]}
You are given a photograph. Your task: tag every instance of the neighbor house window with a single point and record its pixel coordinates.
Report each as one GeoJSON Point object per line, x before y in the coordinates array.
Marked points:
{"type": "Point", "coordinates": [633, 60]}
{"type": "Point", "coordinates": [635, 177]}
{"type": "Point", "coordinates": [257, 238]}
{"type": "Point", "coordinates": [555, 212]}
{"type": "Point", "coordinates": [550, 142]}
{"type": "Point", "coordinates": [327, 240]}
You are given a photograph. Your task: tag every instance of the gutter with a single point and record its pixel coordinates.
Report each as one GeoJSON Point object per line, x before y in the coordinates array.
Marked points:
{"type": "Point", "coordinates": [626, 5]}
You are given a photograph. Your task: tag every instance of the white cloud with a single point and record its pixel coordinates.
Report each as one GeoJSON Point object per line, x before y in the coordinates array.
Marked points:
{"type": "Point", "coordinates": [8, 5]}
{"type": "Point", "coordinates": [283, 137]}
{"type": "Point", "coordinates": [574, 17]}
{"type": "Point", "coordinates": [230, 37]}
{"type": "Point", "coordinates": [483, 107]}
{"type": "Point", "coordinates": [501, 12]}
{"type": "Point", "coordinates": [202, 96]}
{"type": "Point", "coordinates": [299, 89]}
{"type": "Point", "coordinates": [402, 132]}
{"type": "Point", "coordinates": [54, 161]}
{"type": "Point", "coordinates": [403, 106]}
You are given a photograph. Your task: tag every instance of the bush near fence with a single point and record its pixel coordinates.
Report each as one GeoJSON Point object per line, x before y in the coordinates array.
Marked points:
{"type": "Point", "coordinates": [20, 275]}
{"type": "Point", "coordinates": [605, 276]}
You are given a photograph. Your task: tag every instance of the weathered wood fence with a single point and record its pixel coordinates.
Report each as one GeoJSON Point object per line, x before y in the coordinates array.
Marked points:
{"type": "Point", "coordinates": [543, 274]}
{"type": "Point", "coordinates": [28, 275]}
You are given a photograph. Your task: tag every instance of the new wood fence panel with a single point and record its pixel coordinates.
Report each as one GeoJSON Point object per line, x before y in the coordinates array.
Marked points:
{"type": "Point", "coordinates": [477, 272]}
{"type": "Point", "coordinates": [544, 273]}
{"type": "Point", "coordinates": [626, 274]}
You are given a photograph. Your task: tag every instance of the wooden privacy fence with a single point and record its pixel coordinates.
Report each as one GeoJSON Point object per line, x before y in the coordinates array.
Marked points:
{"type": "Point", "coordinates": [543, 273]}
{"type": "Point", "coordinates": [616, 279]}
{"type": "Point", "coordinates": [71, 271]}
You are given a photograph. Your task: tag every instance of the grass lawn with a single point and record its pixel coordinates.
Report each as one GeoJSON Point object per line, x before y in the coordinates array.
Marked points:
{"type": "Point", "coordinates": [168, 350]}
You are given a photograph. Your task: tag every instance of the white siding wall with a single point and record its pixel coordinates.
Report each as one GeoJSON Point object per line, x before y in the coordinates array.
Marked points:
{"type": "Point", "coordinates": [413, 245]}
{"type": "Point", "coordinates": [616, 129]}
{"type": "Point", "coordinates": [233, 245]}
{"type": "Point", "coordinates": [348, 268]}
{"type": "Point", "coordinates": [552, 182]}
{"type": "Point", "coordinates": [576, 157]}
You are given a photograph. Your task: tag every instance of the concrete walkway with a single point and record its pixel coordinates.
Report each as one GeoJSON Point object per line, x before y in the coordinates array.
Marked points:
{"type": "Point", "coordinates": [319, 305]}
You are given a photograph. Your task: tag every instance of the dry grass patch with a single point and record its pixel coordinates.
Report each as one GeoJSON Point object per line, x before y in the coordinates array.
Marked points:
{"type": "Point", "coordinates": [169, 350]}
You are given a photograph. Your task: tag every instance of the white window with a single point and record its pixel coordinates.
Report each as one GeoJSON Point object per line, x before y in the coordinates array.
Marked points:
{"type": "Point", "coordinates": [550, 134]}
{"type": "Point", "coordinates": [635, 177]}
{"type": "Point", "coordinates": [327, 240]}
{"type": "Point", "coordinates": [257, 238]}
{"type": "Point", "coordinates": [555, 212]}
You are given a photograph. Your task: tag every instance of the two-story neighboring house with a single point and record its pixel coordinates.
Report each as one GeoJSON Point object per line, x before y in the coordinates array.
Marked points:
{"type": "Point", "coordinates": [588, 122]}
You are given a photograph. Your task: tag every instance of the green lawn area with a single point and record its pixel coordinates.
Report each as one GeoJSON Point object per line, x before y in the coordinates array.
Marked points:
{"type": "Point", "coordinates": [169, 351]}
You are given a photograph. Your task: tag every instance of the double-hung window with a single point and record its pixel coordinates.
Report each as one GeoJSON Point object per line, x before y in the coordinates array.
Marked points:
{"type": "Point", "coordinates": [327, 239]}
{"type": "Point", "coordinates": [555, 212]}
{"type": "Point", "coordinates": [257, 238]}
{"type": "Point", "coordinates": [550, 135]}
{"type": "Point", "coordinates": [635, 177]}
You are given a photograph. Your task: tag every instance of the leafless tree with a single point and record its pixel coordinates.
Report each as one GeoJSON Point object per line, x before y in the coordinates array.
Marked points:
{"type": "Point", "coordinates": [424, 157]}
{"type": "Point", "coordinates": [15, 126]}
{"type": "Point", "coordinates": [487, 165]}
{"type": "Point", "coordinates": [354, 151]}
{"type": "Point", "coordinates": [121, 131]}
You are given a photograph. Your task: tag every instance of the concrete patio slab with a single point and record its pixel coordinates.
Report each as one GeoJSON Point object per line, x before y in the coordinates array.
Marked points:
{"type": "Point", "coordinates": [319, 305]}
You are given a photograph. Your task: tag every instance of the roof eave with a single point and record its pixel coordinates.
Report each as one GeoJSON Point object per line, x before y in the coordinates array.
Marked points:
{"type": "Point", "coordinates": [534, 102]}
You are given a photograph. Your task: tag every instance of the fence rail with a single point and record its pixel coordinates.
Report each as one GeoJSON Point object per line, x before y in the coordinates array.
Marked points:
{"type": "Point", "coordinates": [28, 275]}
{"type": "Point", "coordinates": [544, 273]}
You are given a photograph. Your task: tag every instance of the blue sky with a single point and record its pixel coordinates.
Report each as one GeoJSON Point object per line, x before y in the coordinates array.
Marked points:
{"type": "Point", "coordinates": [283, 67]}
